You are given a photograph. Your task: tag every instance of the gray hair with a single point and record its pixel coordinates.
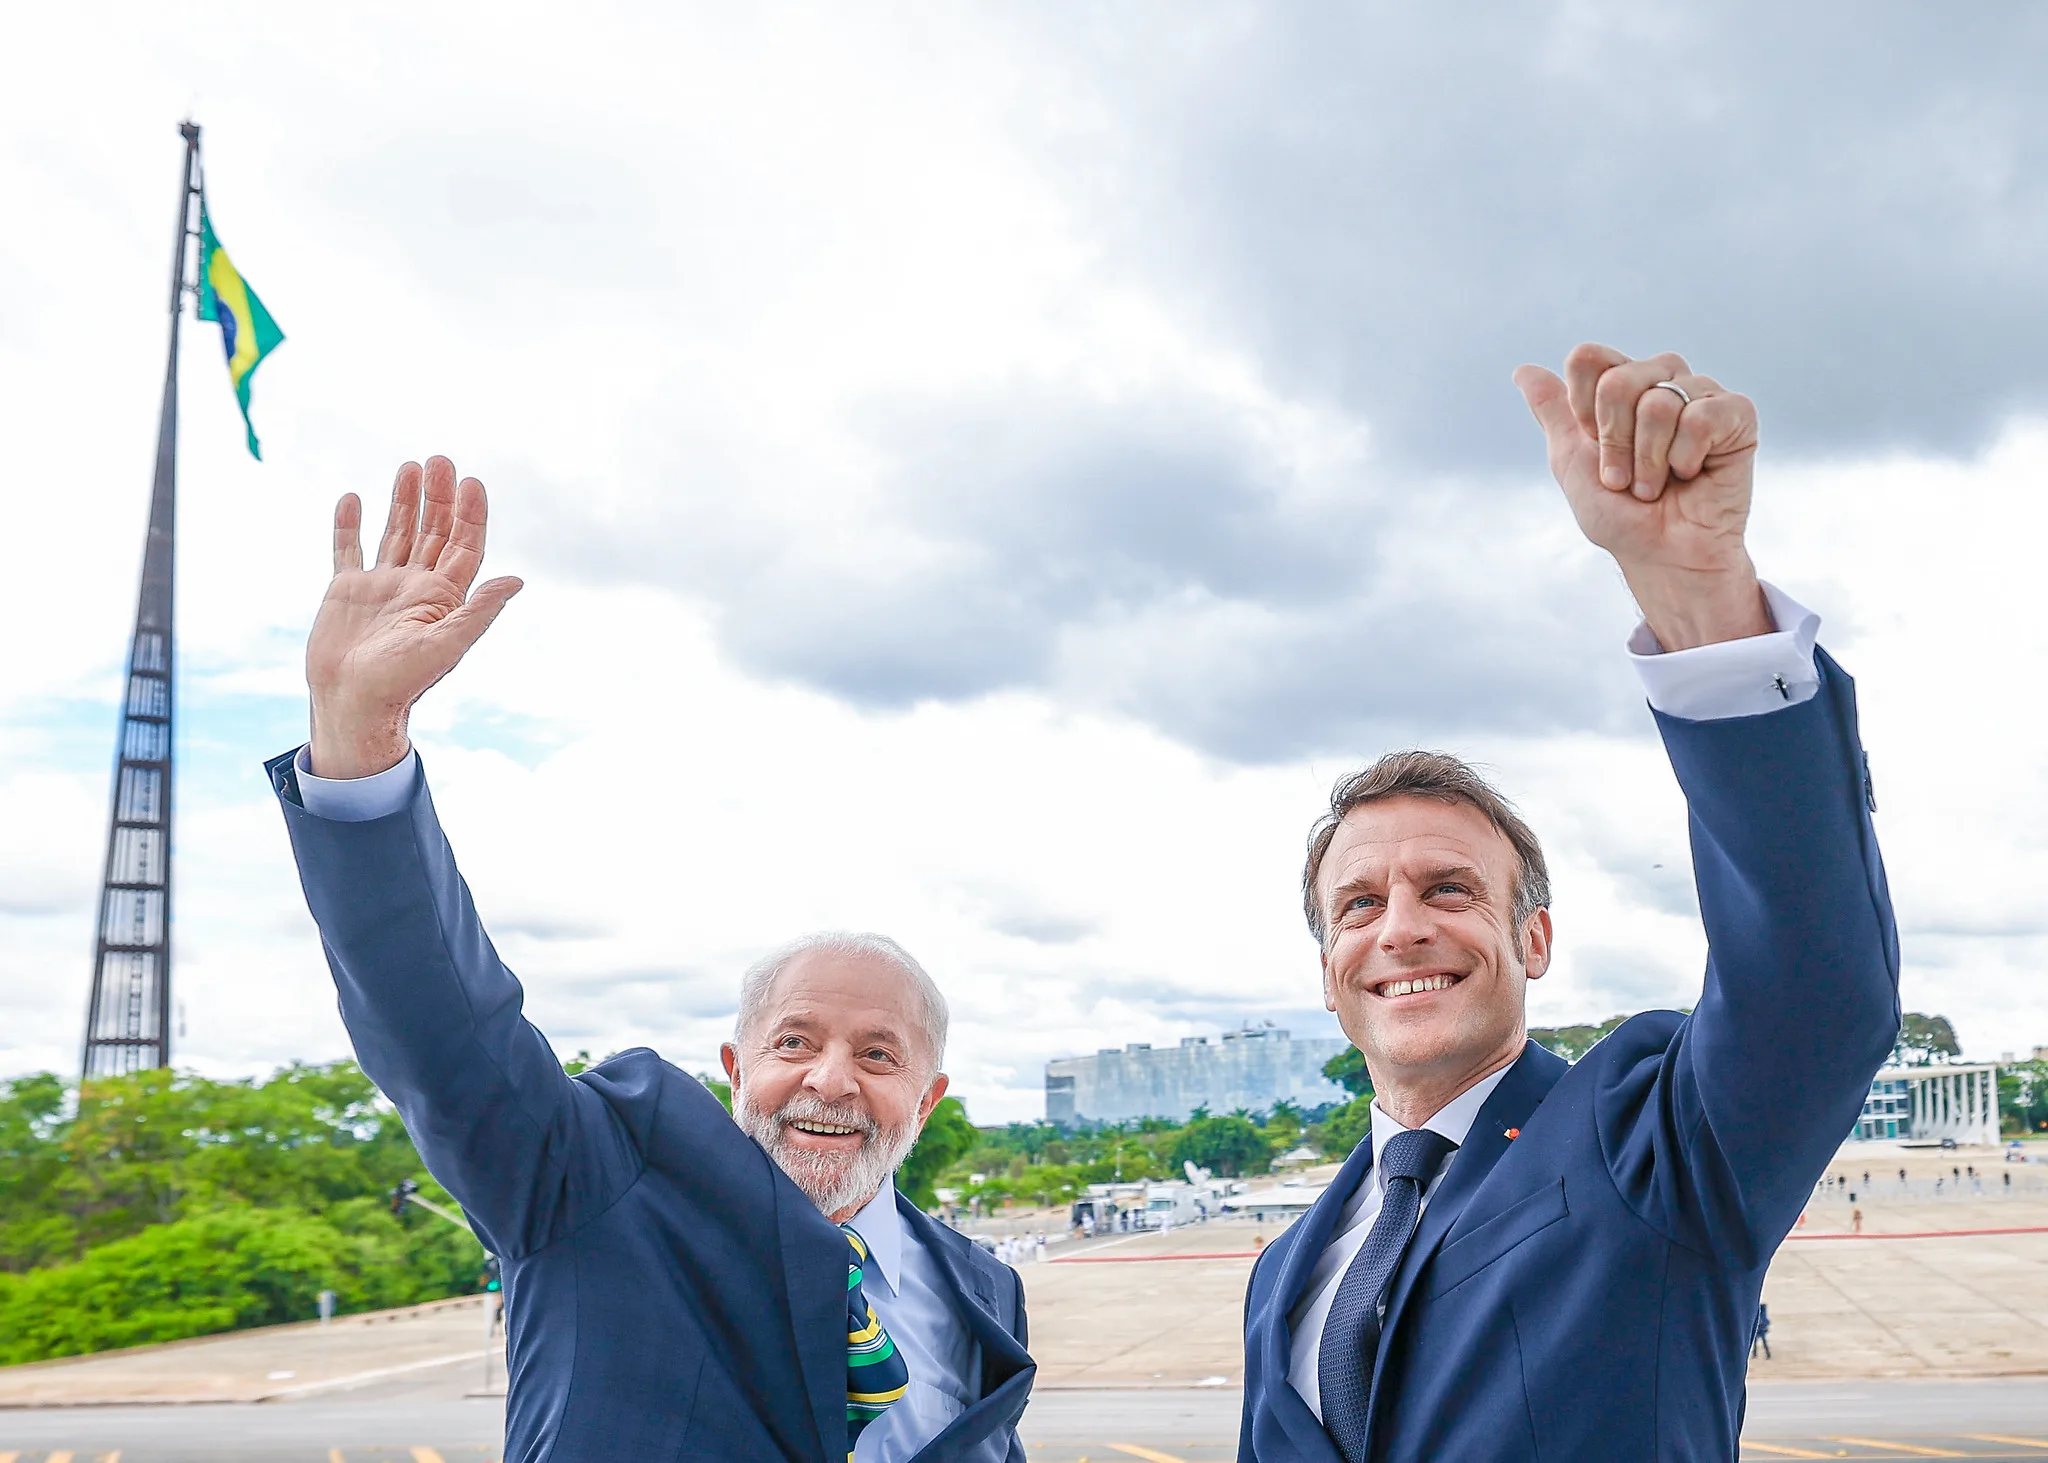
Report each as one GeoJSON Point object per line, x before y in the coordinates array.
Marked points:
{"type": "Point", "coordinates": [760, 979]}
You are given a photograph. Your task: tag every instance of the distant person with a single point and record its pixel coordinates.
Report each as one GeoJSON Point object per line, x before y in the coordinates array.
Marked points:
{"type": "Point", "coordinates": [1761, 1341]}
{"type": "Point", "coordinates": [1902, 1178]}
{"type": "Point", "coordinates": [1527, 1259]}
{"type": "Point", "coordinates": [1856, 1221]}
{"type": "Point", "coordinates": [682, 1284]}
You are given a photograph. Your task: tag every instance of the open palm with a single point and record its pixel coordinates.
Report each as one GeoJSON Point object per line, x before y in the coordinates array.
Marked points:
{"type": "Point", "coordinates": [386, 634]}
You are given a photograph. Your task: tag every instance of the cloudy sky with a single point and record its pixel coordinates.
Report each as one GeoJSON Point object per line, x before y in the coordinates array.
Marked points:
{"type": "Point", "coordinates": [982, 471]}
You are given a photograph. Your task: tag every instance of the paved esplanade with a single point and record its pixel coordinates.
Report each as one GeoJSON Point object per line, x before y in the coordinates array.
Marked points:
{"type": "Point", "coordinates": [424, 1419]}
{"type": "Point", "coordinates": [1885, 1347]}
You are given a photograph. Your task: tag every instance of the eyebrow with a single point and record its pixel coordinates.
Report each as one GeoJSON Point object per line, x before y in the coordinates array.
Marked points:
{"type": "Point", "coordinates": [1436, 874]}
{"type": "Point", "coordinates": [1464, 873]}
{"type": "Point", "coordinates": [810, 1021]}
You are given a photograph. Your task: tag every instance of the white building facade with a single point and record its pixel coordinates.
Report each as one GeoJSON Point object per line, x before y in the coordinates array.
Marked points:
{"type": "Point", "coordinates": [1955, 1100]}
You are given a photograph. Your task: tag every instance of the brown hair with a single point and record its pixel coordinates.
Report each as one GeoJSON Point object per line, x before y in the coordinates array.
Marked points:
{"type": "Point", "coordinates": [1446, 779]}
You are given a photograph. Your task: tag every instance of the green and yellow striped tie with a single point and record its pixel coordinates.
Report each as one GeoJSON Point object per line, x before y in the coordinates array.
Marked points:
{"type": "Point", "coordinates": [875, 1373]}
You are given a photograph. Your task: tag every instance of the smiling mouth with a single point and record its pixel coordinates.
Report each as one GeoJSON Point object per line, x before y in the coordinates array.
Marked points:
{"type": "Point", "coordinates": [1415, 985]}
{"type": "Point", "coordinates": [825, 1130]}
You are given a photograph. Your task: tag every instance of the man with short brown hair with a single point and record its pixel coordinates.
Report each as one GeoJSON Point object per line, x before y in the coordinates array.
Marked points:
{"type": "Point", "coordinates": [1526, 1259]}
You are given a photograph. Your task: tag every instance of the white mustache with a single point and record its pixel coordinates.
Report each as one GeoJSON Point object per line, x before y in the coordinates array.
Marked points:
{"type": "Point", "coordinates": [812, 1110]}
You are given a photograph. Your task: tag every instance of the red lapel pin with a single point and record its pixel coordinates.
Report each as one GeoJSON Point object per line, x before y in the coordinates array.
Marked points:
{"type": "Point", "coordinates": [1514, 1133]}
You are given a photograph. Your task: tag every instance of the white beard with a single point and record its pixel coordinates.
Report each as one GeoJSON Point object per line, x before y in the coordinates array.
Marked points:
{"type": "Point", "coordinates": [833, 1182]}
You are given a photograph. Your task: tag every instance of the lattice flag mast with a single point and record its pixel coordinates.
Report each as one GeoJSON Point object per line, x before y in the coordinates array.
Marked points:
{"type": "Point", "coordinates": [128, 1021]}
{"type": "Point", "coordinates": [128, 1025]}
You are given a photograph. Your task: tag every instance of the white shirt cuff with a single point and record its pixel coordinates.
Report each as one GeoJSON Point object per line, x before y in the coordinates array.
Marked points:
{"type": "Point", "coordinates": [1746, 677]}
{"type": "Point", "coordinates": [357, 799]}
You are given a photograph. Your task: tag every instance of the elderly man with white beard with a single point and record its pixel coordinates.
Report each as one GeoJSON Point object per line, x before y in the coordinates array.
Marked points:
{"type": "Point", "coordinates": [679, 1285]}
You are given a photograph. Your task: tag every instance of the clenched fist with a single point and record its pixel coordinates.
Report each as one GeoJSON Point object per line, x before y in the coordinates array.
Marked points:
{"type": "Point", "coordinates": [385, 634]}
{"type": "Point", "coordinates": [1658, 464]}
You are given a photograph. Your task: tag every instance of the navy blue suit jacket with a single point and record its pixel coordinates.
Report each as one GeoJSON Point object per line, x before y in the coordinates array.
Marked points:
{"type": "Point", "coordinates": [1586, 1289]}
{"type": "Point", "coordinates": [670, 1294]}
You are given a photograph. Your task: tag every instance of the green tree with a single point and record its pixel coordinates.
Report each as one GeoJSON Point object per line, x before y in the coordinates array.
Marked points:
{"type": "Point", "coordinates": [2023, 1097]}
{"type": "Point", "coordinates": [1347, 1070]}
{"type": "Point", "coordinates": [1230, 1146]}
{"type": "Point", "coordinates": [1345, 1128]}
{"type": "Point", "coordinates": [1925, 1039]}
{"type": "Point", "coordinates": [218, 1271]}
{"type": "Point", "coordinates": [947, 1135]}
{"type": "Point", "coordinates": [1573, 1042]}
{"type": "Point", "coordinates": [1283, 1124]}
{"type": "Point", "coordinates": [266, 1191]}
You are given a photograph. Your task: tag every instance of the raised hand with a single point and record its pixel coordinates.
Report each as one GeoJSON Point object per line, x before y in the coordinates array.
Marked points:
{"type": "Point", "coordinates": [1661, 479]}
{"type": "Point", "coordinates": [384, 635]}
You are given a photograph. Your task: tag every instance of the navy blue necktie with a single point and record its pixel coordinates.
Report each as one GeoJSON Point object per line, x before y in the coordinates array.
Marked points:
{"type": "Point", "coordinates": [1351, 1332]}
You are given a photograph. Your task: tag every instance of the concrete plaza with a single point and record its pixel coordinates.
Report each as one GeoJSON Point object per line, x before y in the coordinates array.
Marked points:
{"type": "Point", "coordinates": [1928, 1289]}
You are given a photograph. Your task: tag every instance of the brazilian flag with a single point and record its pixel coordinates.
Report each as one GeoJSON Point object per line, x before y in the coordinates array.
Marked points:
{"type": "Point", "coordinates": [246, 330]}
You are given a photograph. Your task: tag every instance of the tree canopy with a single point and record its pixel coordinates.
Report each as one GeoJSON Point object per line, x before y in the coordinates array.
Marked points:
{"type": "Point", "coordinates": [1230, 1147]}
{"type": "Point", "coordinates": [1347, 1070]}
{"type": "Point", "coordinates": [947, 1135]}
{"type": "Point", "coordinates": [1924, 1039]}
{"type": "Point", "coordinates": [158, 1206]}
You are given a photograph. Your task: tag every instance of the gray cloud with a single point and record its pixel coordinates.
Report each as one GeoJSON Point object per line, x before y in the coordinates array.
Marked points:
{"type": "Point", "coordinates": [1620, 979]}
{"type": "Point", "coordinates": [1838, 211]}
{"type": "Point", "coordinates": [1153, 558]}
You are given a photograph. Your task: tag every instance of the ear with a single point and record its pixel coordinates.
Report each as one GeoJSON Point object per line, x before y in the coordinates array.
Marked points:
{"type": "Point", "coordinates": [1329, 983]}
{"type": "Point", "coordinates": [931, 1098]}
{"type": "Point", "coordinates": [730, 1056]}
{"type": "Point", "coordinates": [1536, 945]}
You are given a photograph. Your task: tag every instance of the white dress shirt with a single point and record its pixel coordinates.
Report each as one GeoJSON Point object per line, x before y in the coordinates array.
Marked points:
{"type": "Point", "coordinates": [1305, 1321]}
{"type": "Point", "coordinates": [1749, 677]}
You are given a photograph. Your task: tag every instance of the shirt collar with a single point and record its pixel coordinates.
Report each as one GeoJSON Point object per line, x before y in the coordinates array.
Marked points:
{"type": "Point", "coordinates": [880, 1228]}
{"type": "Point", "coordinates": [1453, 1120]}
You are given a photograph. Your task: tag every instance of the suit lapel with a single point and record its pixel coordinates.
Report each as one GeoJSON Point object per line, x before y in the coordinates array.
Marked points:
{"type": "Point", "coordinates": [1006, 1368]}
{"type": "Point", "coordinates": [973, 1289]}
{"type": "Point", "coordinates": [1517, 1097]}
{"type": "Point", "coordinates": [1306, 1242]}
{"type": "Point", "coordinates": [814, 1262]}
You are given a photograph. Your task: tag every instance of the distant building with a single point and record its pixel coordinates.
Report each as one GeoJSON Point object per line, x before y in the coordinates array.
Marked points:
{"type": "Point", "coordinates": [1926, 1104]}
{"type": "Point", "coordinates": [1251, 1069]}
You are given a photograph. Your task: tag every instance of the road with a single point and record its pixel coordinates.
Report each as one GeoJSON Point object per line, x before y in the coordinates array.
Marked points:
{"type": "Point", "coordinates": [426, 1418]}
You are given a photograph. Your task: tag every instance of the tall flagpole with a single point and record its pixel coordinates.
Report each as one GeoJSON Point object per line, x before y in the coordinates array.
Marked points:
{"type": "Point", "coordinates": [128, 1023]}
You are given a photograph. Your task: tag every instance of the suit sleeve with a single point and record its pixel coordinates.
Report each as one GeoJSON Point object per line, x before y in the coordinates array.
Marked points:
{"type": "Point", "coordinates": [436, 1021]}
{"type": "Point", "coordinates": [1719, 1136]}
